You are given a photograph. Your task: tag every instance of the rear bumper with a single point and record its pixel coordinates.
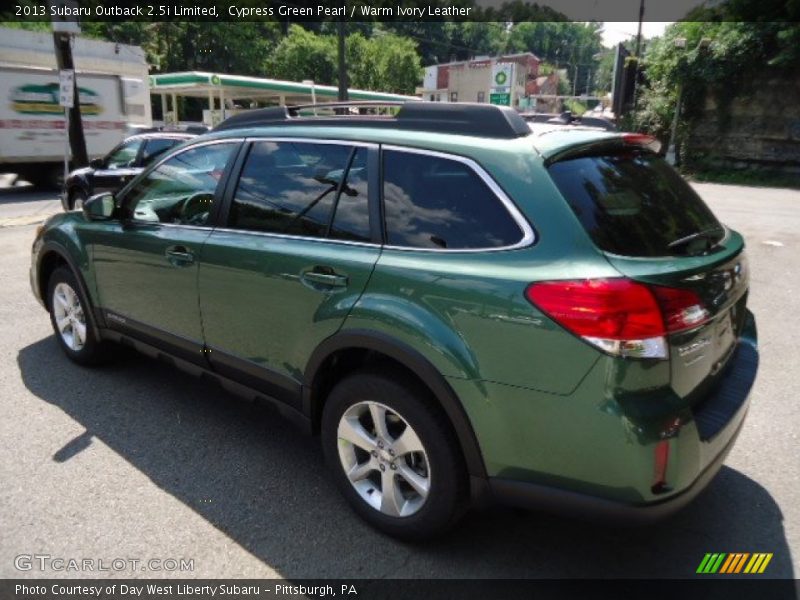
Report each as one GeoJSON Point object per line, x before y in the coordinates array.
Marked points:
{"type": "Point", "coordinates": [707, 439]}
{"type": "Point", "coordinates": [530, 495]}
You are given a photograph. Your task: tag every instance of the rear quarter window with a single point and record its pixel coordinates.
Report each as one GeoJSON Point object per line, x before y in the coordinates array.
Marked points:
{"type": "Point", "coordinates": [632, 203]}
{"type": "Point", "coordinates": [436, 202]}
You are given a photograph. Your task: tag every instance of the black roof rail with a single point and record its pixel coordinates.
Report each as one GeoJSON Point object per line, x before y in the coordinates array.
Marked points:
{"type": "Point", "coordinates": [482, 120]}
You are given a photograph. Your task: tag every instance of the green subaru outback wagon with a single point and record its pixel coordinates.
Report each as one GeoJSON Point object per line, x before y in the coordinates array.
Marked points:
{"type": "Point", "coordinates": [465, 309]}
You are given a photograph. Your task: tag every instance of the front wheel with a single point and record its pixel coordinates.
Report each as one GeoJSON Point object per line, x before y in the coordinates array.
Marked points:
{"type": "Point", "coordinates": [393, 455]}
{"type": "Point", "coordinates": [69, 312]}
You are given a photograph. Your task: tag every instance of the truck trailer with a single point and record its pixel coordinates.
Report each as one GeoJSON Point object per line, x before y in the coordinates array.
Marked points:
{"type": "Point", "coordinates": [113, 91]}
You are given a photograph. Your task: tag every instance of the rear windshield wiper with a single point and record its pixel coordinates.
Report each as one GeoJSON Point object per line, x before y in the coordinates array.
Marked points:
{"type": "Point", "coordinates": [707, 234]}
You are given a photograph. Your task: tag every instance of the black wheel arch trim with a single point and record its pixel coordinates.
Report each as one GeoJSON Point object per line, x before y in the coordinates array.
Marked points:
{"type": "Point", "coordinates": [413, 360]}
{"type": "Point", "coordinates": [54, 247]}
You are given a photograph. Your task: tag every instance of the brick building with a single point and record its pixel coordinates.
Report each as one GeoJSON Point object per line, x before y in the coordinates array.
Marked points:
{"type": "Point", "coordinates": [471, 80]}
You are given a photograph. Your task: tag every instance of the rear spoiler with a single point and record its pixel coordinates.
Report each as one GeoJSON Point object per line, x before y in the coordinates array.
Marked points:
{"type": "Point", "coordinates": [606, 144]}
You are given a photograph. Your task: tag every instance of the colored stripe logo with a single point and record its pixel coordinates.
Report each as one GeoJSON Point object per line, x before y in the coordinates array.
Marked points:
{"type": "Point", "coordinates": [734, 563]}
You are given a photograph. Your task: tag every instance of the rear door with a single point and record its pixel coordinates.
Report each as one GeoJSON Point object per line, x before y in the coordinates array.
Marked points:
{"type": "Point", "coordinates": [653, 227]}
{"type": "Point", "coordinates": [154, 148]}
{"type": "Point", "coordinates": [293, 256]}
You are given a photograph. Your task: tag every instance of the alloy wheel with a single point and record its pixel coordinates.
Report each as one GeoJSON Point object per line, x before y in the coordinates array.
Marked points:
{"type": "Point", "coordinates": [69, 317]}
{"type": "Point", "coordinates": [384, 459]}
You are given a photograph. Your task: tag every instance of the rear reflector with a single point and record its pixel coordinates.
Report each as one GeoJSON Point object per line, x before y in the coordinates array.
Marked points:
{"type": "Point", "coordinates": [619, 316]}
{"type": "Point", "coordinates": [660, 463]}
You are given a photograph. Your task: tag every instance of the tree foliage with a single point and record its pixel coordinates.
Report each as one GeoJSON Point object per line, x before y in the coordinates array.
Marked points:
{"type": "Point", "coordinates": [716, 57]}
{"type": "Point", "coordinates": [384, 62]}
{"type": "Point", "coordinates": [568, 45]}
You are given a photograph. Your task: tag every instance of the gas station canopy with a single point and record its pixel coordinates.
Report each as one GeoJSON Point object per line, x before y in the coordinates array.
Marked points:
{"type": "Point", "coordinates": [219, 89]}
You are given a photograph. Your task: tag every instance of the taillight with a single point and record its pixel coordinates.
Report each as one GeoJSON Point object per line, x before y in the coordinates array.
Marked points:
{"type": "Point", "coordinates": [641, 139]}
{"type": "Point", "coordinates": [682, 308]}
{"type": "Point", "coordinates": [619, 316]}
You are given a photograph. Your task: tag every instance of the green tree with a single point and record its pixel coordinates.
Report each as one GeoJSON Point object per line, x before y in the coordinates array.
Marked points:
{"type": "Point", "coordinates": [714, 57]}
{"type": "Point", "coordinates": [398, 64]}
{"type": "Point", "coordinates": [303, 54]}
{"type": "Point", "coordinates": [385, 62]}
{"type": "Point", "coordinates": [567, 45]}
{"type": "Point", "coordinates": [470, 39]}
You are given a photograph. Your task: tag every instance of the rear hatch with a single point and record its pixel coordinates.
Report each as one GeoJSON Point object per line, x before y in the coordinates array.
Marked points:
{"type": "Point", "coordinates": [654, 229]}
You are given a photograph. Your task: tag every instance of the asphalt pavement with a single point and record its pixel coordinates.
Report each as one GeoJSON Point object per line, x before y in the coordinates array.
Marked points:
{"type": "Point", "coordinates": [137, 461]}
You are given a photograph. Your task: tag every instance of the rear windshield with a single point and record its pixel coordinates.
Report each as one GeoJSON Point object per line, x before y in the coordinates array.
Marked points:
{"type": "Point", "coordinates": [633, 203]}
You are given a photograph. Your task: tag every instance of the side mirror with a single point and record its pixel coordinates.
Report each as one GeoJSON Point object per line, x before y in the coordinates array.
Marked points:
{"type": "Point", "coordinates": [99, 207]}
{"type": "Point", "coordinates": [97, 163]}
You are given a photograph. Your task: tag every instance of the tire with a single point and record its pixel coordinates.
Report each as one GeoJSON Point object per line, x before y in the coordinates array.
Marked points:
{"type": "Point", "coordinates": [437, 498]}
{"type": "Point", "coordinates": [69, 312]}
{"type": "Point", "coordinates": [77, 197]}
{"type": "Point", "coordinates": [48, 177]}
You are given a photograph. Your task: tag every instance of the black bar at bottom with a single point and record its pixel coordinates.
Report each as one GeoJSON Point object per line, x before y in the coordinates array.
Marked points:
{"type": "Point", "coordinates": [711, 587]}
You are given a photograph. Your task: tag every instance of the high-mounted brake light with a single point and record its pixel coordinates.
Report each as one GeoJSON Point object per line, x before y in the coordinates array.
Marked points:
{"type": "Point", "coordinates": [620, 316]}
{"type": "Point", "coordinates": [641, 139]}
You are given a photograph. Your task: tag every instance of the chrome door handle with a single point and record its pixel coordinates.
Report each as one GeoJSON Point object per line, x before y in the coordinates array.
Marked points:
{"type": "Point", "coordinates": [326, 279]}
{"type": "Point", "coordinates": [179, 255]}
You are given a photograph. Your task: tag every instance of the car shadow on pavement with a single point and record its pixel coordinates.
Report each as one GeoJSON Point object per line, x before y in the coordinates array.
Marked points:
{"type": "Point", "coordinates": [256, 478]}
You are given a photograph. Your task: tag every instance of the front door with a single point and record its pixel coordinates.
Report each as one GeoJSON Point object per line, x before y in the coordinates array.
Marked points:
{"type": "Point", "coordinates": [146, 264]}
{"type": "Point", "coordinates": [291, 261]}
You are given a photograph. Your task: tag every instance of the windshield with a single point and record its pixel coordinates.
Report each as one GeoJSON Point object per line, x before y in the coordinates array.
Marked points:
{"type": "Point", "coordinates": [632, 203]}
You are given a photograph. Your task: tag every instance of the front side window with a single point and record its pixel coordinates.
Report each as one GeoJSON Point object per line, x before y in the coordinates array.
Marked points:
{"type": "Point", "coordinates": [435, 202]}
{"type": "Point", "coordinates": [296, 188]}
{"type": "Point", "coordinates": [181, 189]}
{"type": "Point", "coordinates": [124, 155]}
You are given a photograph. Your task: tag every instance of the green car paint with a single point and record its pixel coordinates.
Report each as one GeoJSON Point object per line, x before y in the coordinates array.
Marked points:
{"type": "Point", "coordinates": [546, 408]}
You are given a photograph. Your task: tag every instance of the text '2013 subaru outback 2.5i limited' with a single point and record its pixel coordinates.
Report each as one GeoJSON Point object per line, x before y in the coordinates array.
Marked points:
{"type": "Point", "coordinates": [463, 308]}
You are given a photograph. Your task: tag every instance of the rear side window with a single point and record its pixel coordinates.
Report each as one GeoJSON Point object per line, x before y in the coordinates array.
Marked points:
{"type": "Point", "coordinates": [296, 188]}
{"type": "Point", "coordinates": [634, 204]}
{"type": "Point", "coordinates": [155, 148]}
{"type": "Point", "coordinates": [435, 202]}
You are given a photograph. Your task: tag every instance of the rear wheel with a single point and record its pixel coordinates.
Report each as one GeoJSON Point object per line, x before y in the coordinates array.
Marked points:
{"type": "Point", "coordinates": [393, 455]}
{"type": "Point", "coordinates": [69, 312]}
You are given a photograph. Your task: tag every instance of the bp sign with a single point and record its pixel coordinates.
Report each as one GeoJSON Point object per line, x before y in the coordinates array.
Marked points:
{"type": "Point", "coordinates": [503, 99]}
{"type": "Point", "coordinates": [500, 87]}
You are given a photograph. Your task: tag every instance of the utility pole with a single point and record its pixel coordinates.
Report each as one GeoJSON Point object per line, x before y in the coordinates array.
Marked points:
{"type": "Point", "coordinates": [672, 150]}
{"type": "Point", "coordinates": [77, 142]}
{"type": "Point", "coordinates": [342, 66]}
{"type": "Point", "coordinates": [638, 58]}
{"type": "Point", "coordinates": [575, 83]}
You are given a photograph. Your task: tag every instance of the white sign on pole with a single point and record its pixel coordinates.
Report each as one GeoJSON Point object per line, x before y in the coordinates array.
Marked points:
{"type": "Point", "coordinates": [62, 21]}
{"type": "Point", "coordinates": [66, 95]}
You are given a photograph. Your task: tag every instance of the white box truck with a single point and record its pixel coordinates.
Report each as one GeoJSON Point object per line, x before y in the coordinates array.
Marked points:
{"type": "Point", "coordinates": [113, 91]}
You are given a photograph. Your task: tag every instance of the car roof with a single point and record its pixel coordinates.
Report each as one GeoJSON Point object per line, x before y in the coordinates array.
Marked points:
{"type": "Point", "coordinates": [443, 127]}
{"type": "Point", "coordinates": [177, 135]}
